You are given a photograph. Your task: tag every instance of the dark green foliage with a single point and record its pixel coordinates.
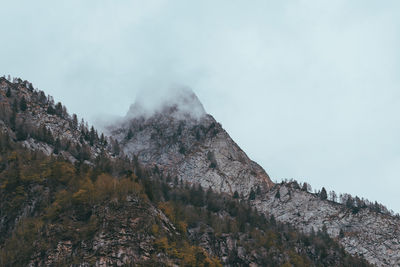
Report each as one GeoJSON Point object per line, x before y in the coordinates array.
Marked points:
{"type": "Point", "coordinates": [58, 110]}
{"type": "Point", "coordinates": [323, 195]}
{"type": "Point", "coordinates": [12, 119]}
{"type": "Point", "coordinates": [15, 105]}
{"type": "Point", "coordinates": [129, 135]}
{"type": "Point", "coordinates": [51, 110]}
{"type": "Point", "coordinates": [8, 93]}
{"type": "Point", "coordinates": [57, 146]}
{"type": "Point", "coordinates": [22, 104]}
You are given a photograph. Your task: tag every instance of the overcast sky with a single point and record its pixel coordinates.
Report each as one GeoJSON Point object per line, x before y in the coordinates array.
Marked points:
{"type": "Point", "coordinates": [309, 89]}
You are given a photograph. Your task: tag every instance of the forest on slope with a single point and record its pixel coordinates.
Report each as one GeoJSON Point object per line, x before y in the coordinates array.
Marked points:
{"type": "Point", "coordinates": [101, 207]}
{"type": "Point", "coordinates": [61, 210]}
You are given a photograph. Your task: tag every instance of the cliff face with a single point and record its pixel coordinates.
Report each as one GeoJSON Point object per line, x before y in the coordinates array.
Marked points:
{"type": "Point", "coordinates": [188, 145]}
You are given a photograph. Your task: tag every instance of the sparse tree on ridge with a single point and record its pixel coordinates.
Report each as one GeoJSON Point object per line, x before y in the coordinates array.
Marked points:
{"type": "Point", "coordinates": [323, 195]}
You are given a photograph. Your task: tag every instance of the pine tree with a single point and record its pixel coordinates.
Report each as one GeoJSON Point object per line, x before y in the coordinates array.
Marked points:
{"type": "Point", "coordinates": [12, 120]}
{"type": "Point", "coordinates": [8, 93]}
{"type": "Point", "coordinates": [57, 146]}
{"type": "Point", "coordinates": [129, 135]}
{"type": "Point", "coordinates": [22, 104]}
{"type": "Point", "coordinates": [305, 187]}
{"type": "Point", "coordinates": [323, 195]}
{"type": "Point", "coordinates": [15, 105]}
{"type": "Point", "coordinates": [92, 136]}
{"type": "Point", "coordinates": [278, 194]}
{"type": "Point", "coordinates": [59, 109]}
{"type": "Point", "coordinates": [51, 110]}
{"type": "Point", "coordinates": [74, 121]}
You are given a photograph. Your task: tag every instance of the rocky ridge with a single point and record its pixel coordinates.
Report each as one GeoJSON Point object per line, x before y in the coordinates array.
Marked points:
{"type": "Point", "coordinates": [41, 124]}
{"type": "Point", "coordinates": [374, 236]}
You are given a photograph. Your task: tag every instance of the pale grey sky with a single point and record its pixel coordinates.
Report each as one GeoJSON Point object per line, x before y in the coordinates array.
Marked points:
{"type": "Point", "coordinates": [309, 89]}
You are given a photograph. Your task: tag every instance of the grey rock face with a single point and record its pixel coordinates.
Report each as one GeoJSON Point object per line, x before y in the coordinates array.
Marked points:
{"type": "Point", "coordinates": [192, 147]}
{"type": "Point", "coordinates": [372, 235]}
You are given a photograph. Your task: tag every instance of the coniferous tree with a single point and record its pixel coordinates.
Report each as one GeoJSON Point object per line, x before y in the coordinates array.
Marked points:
{"type": "Point", "coordinates": [59, 109]}
{"type": "Point", "coordinates": [92, 136]}
{"type": "Point", "coordinates": [8, 93]}
{"type": "Point", "coordinates": [102, 139]}
{"type": "Point", "coordinates": [57, 146]}
{"type": "Point", "coordinates": [15, 105]}
{"type": "Point", "coordinates": [305, 187]}
{"type": "Point", "coordinates": [51, 110]}
{"type": "Point", "coordinates": [129, 135]}
{"type": "Point", "coordinates": [22, 104]}
{"type": "Point", "coordinates": [323, 195]}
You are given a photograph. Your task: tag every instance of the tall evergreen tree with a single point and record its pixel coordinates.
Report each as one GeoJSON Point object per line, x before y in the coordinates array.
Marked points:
{"type": "Point", "coordinates": [15, 105]}
{"type": "Point", "coordinates": [323, 195]}
{"type": "Point", "coordinates": [8, 93]}
{"type": "Point", "coordinates": [22, 104]}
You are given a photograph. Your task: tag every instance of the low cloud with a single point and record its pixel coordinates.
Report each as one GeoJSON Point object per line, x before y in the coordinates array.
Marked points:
{"type": "Point", "coordinates": [178, 101]}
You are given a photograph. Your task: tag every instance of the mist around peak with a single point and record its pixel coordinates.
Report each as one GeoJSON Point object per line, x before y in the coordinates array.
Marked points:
{"type": "Point", "coordinates": [178, 101]}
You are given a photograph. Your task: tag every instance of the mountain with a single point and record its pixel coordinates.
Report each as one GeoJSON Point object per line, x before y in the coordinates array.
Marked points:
{"type": "Point", "coordinates": [184, 142]}
{"type": "Point", "coordinates": [193, 147]}
{"type": "Point", "coordinates": [168, 188]}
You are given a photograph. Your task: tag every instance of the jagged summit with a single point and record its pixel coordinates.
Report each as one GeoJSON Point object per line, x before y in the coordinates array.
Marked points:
{"type": "Point", "coordinates": [185, 142]}
{"type": "Point", "coordinates": [179, 102]}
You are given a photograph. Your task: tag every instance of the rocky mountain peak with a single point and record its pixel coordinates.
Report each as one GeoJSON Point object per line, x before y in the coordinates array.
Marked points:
{"type": "Point", "coordinates": [187, 143]}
